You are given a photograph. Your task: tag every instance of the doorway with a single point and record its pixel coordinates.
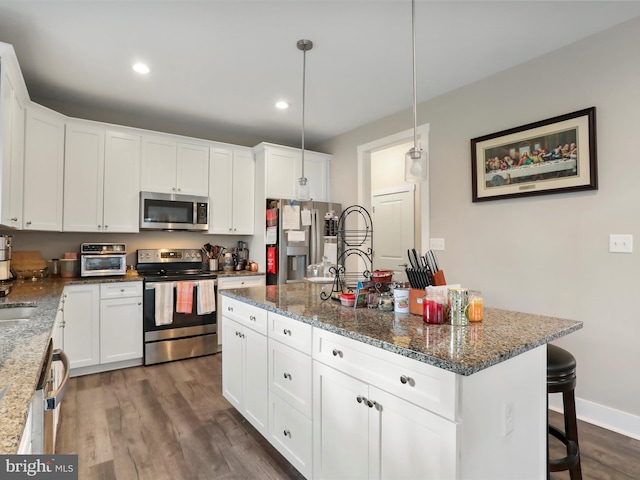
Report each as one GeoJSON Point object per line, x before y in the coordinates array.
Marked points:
{"type": "Point", "coordinates": [366, 190]}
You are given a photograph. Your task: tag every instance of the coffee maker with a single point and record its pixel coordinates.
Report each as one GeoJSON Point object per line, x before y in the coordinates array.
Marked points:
{"type": "Point", "coordinates": [241, 255]}
{"type": "Point", "coordinates": [6, 278]}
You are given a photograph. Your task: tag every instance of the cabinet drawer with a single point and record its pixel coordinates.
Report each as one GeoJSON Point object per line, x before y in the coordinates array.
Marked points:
{"type": "Point", "coordinates": [290, 434]}
{"type": "Point", "coordinates": [429, 387]}
{"type": "Point", "coordinates": [290, 376]}
{"type": "Point", "coordinates": [120, 290]}
{"type": "Point", "coordinates": [290, 332]}
{"type": "Point", "coordinates": [245, 314]}
{"type": "Point", "coordinates": [240, 282]}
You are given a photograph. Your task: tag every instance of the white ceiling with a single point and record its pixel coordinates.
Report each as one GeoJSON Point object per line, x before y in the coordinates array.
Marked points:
{"type": "Point", "coordinates": [223, 64]}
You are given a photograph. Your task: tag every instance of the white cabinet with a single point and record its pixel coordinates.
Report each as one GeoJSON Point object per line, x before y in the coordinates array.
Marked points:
{"type": "Point", "coordinates": [237, 281]}
{"type": "Point", "coordinates": [82, 325]}
{"type": "Point", "coordinates": [83, 177]}
{"type": "Point", "coordinates": [120, 322]}
{"type": "Point", "coordinates": [12, 145]}
{"type": "Point", "coordinates": [281, 167]}
{"type": "Point", "coordinates": [174, 167]}
{"type": "Point", "coordinates": [43, 169]}
{"type": "Point", "coordinates": [244, 369]}
{"type": "Point", "coordinates": [290, 390]}
{"type": "Point", "coordinates": [102, 171]}
{"type": "Point", "coordinates": [121, 210]}
{"type": "Point", "coordinates": [102, 326]}
{"type": "Point", "coordinates": [231, 190]}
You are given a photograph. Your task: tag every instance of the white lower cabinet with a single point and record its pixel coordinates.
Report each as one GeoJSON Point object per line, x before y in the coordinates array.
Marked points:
{"type": "Point", "coordinates": [239, 281]}
{"type": "Point", "coordinates": [120, 325]}
{"type": "Point", "coordinates": [338, 408]}
{"type": "Point", "coordinates": [290, 391]}
{"type": "Point", "coordinates": [102, 326]}
{"type": "Point", "coordinates": [244, 369]}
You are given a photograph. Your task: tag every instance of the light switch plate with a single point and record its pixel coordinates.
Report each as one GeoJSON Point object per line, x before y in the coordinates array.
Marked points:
{"type": "Point", "coordinates": [620, 243]}
{"type": "Point", "coordinates": [437, 244]}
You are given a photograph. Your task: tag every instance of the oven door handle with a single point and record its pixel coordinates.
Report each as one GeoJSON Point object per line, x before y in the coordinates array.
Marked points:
{"type": "Point", "coordinates": [55, 398]}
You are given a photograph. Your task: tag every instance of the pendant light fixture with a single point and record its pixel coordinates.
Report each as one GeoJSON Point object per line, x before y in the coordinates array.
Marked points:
{"type": "Point", "coordinates": [415, 160]}
{"type": "Point", "coordinates": [302, 188]}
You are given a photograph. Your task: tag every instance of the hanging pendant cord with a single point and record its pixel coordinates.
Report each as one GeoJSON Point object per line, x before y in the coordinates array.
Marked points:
{"type": "Point", "coordinates": [304, 69]}
{"type": "Point", "coordinates": [415, 95]}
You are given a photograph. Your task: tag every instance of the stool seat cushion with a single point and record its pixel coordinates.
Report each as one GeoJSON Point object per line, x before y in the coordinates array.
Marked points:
{"type": "Point", "coordinates": [559, 360]}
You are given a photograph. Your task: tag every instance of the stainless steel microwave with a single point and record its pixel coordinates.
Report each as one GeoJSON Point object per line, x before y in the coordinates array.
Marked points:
{"type": "Point", "coordinates": [170, 211]}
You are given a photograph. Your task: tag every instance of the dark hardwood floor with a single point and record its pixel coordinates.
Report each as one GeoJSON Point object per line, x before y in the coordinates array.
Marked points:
{"type": "Point", "coordinates": [171, 422]}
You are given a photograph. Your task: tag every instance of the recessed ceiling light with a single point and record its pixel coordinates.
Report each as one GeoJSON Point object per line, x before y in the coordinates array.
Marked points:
{"type": "Point", "coordinates": [141, 68]}
{"type": "Point", "coordinates": [282, 105]}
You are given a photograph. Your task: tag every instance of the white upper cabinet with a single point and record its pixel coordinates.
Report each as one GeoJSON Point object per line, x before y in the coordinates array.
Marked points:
{"type": "Point", "coordinates": [12, 145]}
{"type": "Point", "coordinates": [83, 177]}
{"type": "Point", "coordinates": [121, 211]}
{"type": "Point", "coordinates": [102, 174]}
{"type": "Point", "coordinates": [231, 190]}
{"type": "Point", "coordinates": [283, 168]}
{"type": "Point", "coordinates": [43, 169]}
{"type": "Point", "coordinates": [172, 167]}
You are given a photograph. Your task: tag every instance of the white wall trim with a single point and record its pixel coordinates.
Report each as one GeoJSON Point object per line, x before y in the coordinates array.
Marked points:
{"type": "Point", "coordinates": [602, 416]}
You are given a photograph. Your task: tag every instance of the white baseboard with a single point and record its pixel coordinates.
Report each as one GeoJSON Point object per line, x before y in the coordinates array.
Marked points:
{"type": "Point", "coordinates": [606, 417]}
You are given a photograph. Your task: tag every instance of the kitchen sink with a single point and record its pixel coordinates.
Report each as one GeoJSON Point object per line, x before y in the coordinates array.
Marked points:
{"type": "Point", "coordinates": [17, 315]}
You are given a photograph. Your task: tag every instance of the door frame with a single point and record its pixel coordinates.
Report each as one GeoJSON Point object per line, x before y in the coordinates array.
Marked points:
{"type": "Point", "coordinates": [364, 174]}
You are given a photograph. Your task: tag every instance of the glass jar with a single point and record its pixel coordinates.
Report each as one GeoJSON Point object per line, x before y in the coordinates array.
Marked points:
{"type": "Point", "coordinates": [475, 306]}
{"type": "Point", "coordinates": [227, 263]}
{"type": "Point", "coordinates": [434, 306]}
{"type": "Point", "coordinates": [385, 302]}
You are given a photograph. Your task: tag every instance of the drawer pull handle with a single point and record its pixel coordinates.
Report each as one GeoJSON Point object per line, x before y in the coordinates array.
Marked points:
{"type": "Point", "coordinates": [371, 404]}
{"type": "Point", "coordinates": [404, 379]}
{"type": "Point", "coordinates": [337, 353]}
{"type": "Point", "coordinates": [252, 318]}
{"type": "Point", "coordinates": [287, 375]}
{"type": "Point", "coordinates": [286, 331]}
{"type": "Point", "coordinates": [240, 334]}
{"type": "Point", "coordinates": [122, 289]}
{"type": "Point", "coordinates": [287, 433]}
{"type": "Point", "coordinates": [230, 309]}
{"type": "Point", "coordinates": [360, 399]}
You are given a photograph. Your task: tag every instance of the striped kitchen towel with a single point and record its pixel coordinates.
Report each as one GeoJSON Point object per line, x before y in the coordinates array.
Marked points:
{"type": "Point", "coordinates": [206, 296]}
{"type": "Point", "coordinates": [184, 301]}
{"type": "Point", "coordinates": [163, 303]}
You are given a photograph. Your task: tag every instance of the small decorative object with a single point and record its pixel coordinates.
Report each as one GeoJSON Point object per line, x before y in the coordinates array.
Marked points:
{"type": "Point", "coordinates": [549, 156]}
{"type": "Point", "coordinates": [434, 306]}
{"type": "Point", "coordinates": [347, 299]}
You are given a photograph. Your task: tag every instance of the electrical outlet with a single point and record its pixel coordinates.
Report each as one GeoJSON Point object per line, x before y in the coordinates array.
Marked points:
{"type": "Point", "coordinates": [437, 243]}
{"type": "Point", "coordinates": [509, 418]}
{"type": "Point", "coordinates": [621, 243]}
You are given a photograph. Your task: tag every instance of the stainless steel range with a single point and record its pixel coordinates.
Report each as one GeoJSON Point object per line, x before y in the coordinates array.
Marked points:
{"type": "Point", "coordinates": [175, 289]}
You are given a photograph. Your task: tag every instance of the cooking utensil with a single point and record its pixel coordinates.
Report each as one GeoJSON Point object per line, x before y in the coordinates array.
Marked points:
{"type": "Point", "coordinates": [411, 261]}
{"type": "Point", "coordinates": [435, 261]}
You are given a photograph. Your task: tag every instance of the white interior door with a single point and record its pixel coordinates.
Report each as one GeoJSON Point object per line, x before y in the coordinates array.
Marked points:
{"type": "Point", "coordinates": [393, 229]}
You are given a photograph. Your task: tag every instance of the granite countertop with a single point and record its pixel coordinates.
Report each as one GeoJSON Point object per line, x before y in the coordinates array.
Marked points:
{"type": "Point", "coordinates": [239, 273]}
{"type": "Point", "coordinates": [501, 335]}
{"type": "Point", "coordinates": [22, 348]}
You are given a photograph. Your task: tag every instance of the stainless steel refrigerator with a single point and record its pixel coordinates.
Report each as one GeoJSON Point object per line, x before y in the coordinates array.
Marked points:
{"type": "Point", "coordinates": [298, 236]}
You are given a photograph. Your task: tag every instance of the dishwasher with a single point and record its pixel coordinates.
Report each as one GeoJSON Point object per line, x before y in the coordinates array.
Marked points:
{"type": "Point", "coordinates": [47, 398]}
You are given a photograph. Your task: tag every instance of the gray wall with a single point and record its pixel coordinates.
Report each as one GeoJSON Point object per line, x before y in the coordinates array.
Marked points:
{"type": "Point", "coordinates": [547, 254]}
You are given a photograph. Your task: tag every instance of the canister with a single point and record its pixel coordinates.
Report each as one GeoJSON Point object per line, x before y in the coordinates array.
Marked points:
{"type": "Point", "coordinates": [458, 306]}
{"type": "Point", "coordinates": [401, 300]}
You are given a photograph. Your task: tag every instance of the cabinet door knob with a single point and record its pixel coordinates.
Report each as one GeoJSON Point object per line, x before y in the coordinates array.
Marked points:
{"type": "Point", "coordinates": [337, 353]}
{"type": "Point", "coordinates": [287, 433]}
{"type": "Point", "coordinates": [360, 399]}
{"type": "Point", "coordinates": [106, 226]}
{"type": "Point", "coordinates": [99, 227]}
{"type": "Point", "coordinates": [14, 219]}
{"type": "Point", "coordinates": [287, 375]}
{"type": "Point", "coordinates": [405, 379]}
{"type": "Point", "coordinates": [286, 331]}
{"type": "Point", "coordinates": [230, 309]}
{"type": "Point", "coordinates": [28, 223]}
{"type": "Point", "coordinates": [139, 303]}
{"type": "Point", "coordinates": [122, 290]}
{"type": "Point", "coordinates": [179, 189]}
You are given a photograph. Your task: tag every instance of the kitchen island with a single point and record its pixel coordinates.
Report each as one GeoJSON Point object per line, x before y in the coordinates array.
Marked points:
{"type": "Point", "coordinates": [359, 393]}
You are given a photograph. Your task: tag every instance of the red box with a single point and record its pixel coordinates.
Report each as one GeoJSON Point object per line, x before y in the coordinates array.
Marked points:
{"type": "Point", "coordinates": [416, 296]}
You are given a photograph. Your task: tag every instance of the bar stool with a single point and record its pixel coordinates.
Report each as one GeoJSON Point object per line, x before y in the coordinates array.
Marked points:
{"type": "Point", "coordinates": [561, 378]}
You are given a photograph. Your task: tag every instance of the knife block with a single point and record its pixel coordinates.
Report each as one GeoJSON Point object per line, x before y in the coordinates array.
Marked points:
{"type": "Point", "coordinates": [438, 278]}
